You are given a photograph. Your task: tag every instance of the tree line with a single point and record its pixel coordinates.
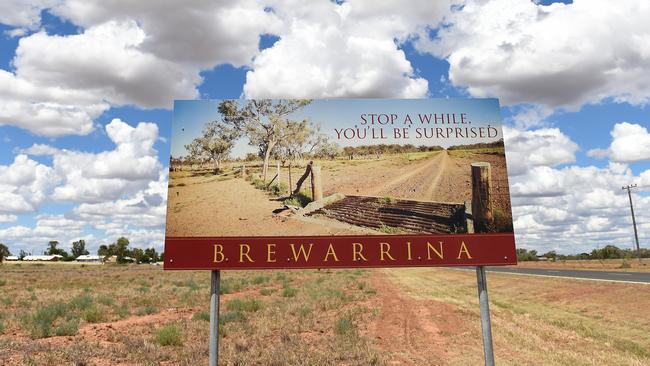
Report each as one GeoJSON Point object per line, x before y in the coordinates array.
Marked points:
{"type": "Point", "coordinates": [120, 249]}
{"type": "Point", "coordinates": [607, 252]}
{"type": "Point", "coordinates": [480, 145]}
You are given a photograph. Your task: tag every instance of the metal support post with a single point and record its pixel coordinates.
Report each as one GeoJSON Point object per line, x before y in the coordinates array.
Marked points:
{"type": "Point", "coordinates": [214, 319]}
{"type": "Point", "coordinates": [485, 316]}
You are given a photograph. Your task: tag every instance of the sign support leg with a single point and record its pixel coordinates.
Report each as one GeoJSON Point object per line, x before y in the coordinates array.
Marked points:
{"type": "Point", "coordinates": [214, 318]}
{"type": "Point", "coordinates": [485, 316]}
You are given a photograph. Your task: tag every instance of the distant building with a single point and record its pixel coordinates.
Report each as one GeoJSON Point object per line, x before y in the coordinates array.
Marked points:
{"type": "Point", "coordinates": [43, 258]}
{"type": "Point", "coordinates": [12, 258]}
{"type": "Point", "coordinates": [89, 258]}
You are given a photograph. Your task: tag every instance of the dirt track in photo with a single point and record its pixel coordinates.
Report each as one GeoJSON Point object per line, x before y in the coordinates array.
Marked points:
{"type": "Point", "coordinates": [202, 204]}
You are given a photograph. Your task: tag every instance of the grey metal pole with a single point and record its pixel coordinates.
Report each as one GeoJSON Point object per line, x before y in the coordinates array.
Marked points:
{"type": "Point", "coordinates": [214, 318]}
{"type": "Point", "coordinates": [636, 235]}
{"type": "Point", "coordinates": [485, 315]}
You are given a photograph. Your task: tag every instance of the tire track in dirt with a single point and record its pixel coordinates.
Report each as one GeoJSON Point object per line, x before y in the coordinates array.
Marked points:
{"type": "Point", "coordinates": [395, 187]}
{"type": "Point", "coordinates": [435, 182]}
{"type": "Point", "coordinates": [412, 331]}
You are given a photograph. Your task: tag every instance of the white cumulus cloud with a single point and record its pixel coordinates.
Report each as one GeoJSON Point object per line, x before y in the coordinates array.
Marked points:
{"type": "Point", "coordinates": [630, 143]}
{"type": "Point", "coordinates": [561, 55]}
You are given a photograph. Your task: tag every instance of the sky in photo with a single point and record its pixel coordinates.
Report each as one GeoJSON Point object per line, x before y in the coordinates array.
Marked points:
{"type": "Point", "coordinates": [370, 116]}
{"type": "Point", "coordinates": [87, 90]}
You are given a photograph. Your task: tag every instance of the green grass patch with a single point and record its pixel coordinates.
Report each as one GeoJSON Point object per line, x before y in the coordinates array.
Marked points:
{"type": "Point", "coordinates": [231, 316]}
{"type": "Point", "coordinates": [289, 292]}
{"type": "Point", "coordinates": [81, 302]}
{"type": "Point", "coordinates": [201, 315]}
{"type": "Point", "coordinates": [169, 335]}
{"type": "Point", "coordinates": [344, 325]}
{"type": "Point", "coordinates": [93, 315]}
{"type": "Point", "coordinates": [68, 328]}
{"type": "Point", "coordinates": [147, 310]}
{"type": "Point", "coordinates": [249, 305]}
{"type": "Point", "coordinates": [39, 324]}
{"type": "Point", "coordinates": [388, 229]}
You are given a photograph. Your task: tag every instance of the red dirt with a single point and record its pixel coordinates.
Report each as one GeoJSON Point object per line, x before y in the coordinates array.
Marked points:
{"type": "Point", "coordinates": [413, 331]}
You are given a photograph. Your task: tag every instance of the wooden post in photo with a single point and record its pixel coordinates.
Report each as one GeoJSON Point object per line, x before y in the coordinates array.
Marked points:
{"type": "Point", "coordinates": [278, 174]}
{"type": "Point", "coordinates": [316, 187]}
{"type": "Point", "coordinates": [481, 205]}
{"type": "Point", "coordinates": [243, 171]}
{"type": "Point", "coordinates": [290, 183]}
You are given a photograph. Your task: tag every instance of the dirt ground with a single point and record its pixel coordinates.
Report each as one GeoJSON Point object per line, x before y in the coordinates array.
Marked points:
{"type": "Point", "coordinates": [423, 316]}
{"type": "Point", "coordinates": [205, 205]}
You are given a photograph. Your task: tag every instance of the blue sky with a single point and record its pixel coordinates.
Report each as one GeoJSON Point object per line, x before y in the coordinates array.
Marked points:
{"type": "Point", "coordinates": [86, 109]}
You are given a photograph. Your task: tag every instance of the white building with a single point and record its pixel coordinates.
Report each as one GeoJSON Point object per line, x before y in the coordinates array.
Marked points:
{"type": "Point", "coordinates": [12, 258]}
{"type": "Point", "coordinates": [45, 258]}
{"type": "Point", "coordinates": [89, 258]}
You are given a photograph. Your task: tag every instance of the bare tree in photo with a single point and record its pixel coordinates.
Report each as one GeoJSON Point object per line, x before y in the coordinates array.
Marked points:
{"type": "Point", "coordinates": [265, 123]}
{"type": "Point", "coordinates": [215, 144]}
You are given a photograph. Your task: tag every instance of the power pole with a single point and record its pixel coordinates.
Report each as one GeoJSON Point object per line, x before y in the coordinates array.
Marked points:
{"type": "Point", "coordinates": [636, 235]}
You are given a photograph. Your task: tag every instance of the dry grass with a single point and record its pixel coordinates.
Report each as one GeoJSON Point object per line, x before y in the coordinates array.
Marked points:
{"type": "Point", "coordinates": [540, 321]}
{"type": "Point", "coordinates": [106, 315]}
{"type": "Point", "coordinates": [146, 316]}
{"type": "Point", "coordinates": [623, 265]}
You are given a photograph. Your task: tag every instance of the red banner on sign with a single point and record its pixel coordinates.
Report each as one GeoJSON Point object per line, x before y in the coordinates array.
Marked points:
{"type": "Point", "coordinates": [375, 251]}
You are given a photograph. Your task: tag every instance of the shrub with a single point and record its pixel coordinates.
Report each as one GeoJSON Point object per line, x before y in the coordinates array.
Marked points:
{"type": "Point", "coordinates": [68, 328]}
{"type": "Point", "coordinates": [201, 315]}
{"type": "Point", "coordinates": [123, 311]}
{"type": "Point", "coordinates": [81, 302]}
{"type": "Point", "coordinates": [169, 335]}
{"type": "Point", "coordinates": [105, 300]}
{"type": "Point", "coordinates": [39, 324]}
{"type": "Point", "coordinates": [3, 282]}
{"type": "Point", "coordinates": [192, 285]}
{"type": "Point", "coordinates": [231, 316]}
{"type": "Point", "coordinates": [93, 315]}
{"type": "Point", "coordinates": [266, 291]}
{"type": "Point", "coordinates": [625, 264]}
{"type": "Point", "coordinates": [259, 280]}
{"type": "Point", "coordinates": [148, 310]}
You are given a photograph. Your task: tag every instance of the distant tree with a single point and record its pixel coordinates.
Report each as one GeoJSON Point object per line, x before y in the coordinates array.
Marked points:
{"type": "Point", "coordinates": [214, 144]}
{"type": "Point", "coordinates": [526, 255]}
{"type": "Point", "coordinates": [329, 150]}
{"type": "Point", "coordinates": [103, 251]}
{"type": "Point", "coordinates": [121, 248]}
{"type": "Point", "coordinates": [22, 254]}
{"type": "Point", "coordinates": [53, 250]}
{"type": "Point", "coordinates": [4, 252]}
{"type": "Point", "coordinates": [79, 248]}
{"type": "Point", "coordinates": [151, 254]}
{"type": "Point", "coordinates": [551, 255]}
{"type": "Point", "coordinates": [264, 122]}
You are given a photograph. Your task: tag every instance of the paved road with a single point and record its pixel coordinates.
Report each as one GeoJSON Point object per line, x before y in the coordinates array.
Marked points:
{"type": "Point", "coordinates": [635, 277]}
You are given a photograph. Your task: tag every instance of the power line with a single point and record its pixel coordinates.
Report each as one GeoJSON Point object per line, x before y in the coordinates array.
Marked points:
{"type": "Point", "coordinates": [636, 235]}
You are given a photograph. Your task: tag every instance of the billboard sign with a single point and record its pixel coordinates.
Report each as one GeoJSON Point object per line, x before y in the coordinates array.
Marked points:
{"type": "Point", "coordinates": [341, 183]}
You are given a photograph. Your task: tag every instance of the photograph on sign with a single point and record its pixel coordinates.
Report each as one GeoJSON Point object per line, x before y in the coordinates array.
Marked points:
{"type": "Point", "coordinates": [337, 183]}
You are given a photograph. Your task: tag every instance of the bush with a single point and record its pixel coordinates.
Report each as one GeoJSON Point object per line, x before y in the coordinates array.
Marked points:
{"type": "Point", "coordinates": [231, 316]}
{"type": "Point", "coordinates": [39, 324]}
{"type": "Point", "coordinates": [148, 310]}
{"type": "Point", "coordinates": [123, 311]}
{"type": "Point", "coordinates": [3, 282]}
{"type": "Point", "coordinates": [93, 315]}
{"type": "Point", "coordinates": [81, 302]}
{"type": "Point", "coordinates": [68, 328]}
{"type": "Point", "coordinates": [105, 300]}
{"type": "Point", "coordinates": [259, 280]}
{"type": "Point", "coordinates": [169, 335]}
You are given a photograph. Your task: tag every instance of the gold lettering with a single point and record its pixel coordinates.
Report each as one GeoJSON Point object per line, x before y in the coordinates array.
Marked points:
{"type": "Point", "coordinates": [330, 251]}
{"type": "Point", "coordinates": [408, 249]}
{"type": "Point", "coordinates": [463, 249]}
{"type": "Point", "coordinates": [356, 251]}
{"type": "Point", "coordinates": [245, 253]}
{"type": "Point", "coordinates": [218, 253]}
{"type": "Point", "coordinates": [301, 250]}
{"type": "Point", "coordinates": [270, 252]}
{"type": "Point", "coordinates": [430, 248]}
{"type": "Point", "coordinates": [384, 248]}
